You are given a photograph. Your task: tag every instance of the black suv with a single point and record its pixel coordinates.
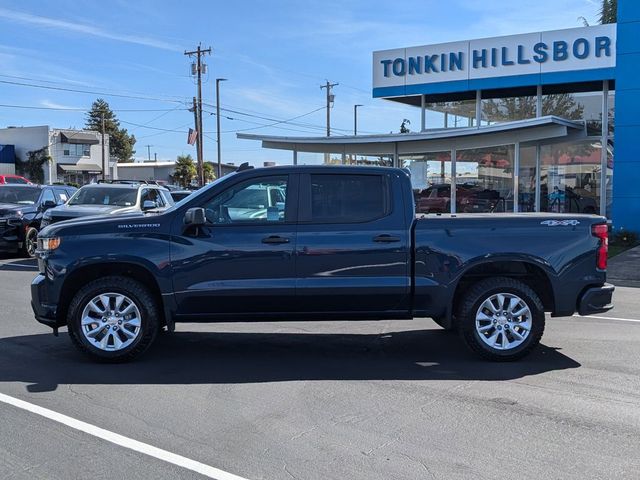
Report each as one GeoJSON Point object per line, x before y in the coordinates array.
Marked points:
{"type": "Point", "coordinates": [21, 211]}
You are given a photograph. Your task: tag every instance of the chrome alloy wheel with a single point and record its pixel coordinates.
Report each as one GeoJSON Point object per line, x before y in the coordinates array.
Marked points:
{"type": "Point", "coordinates": [31, 242]}
{"type": "Point", "coordinates": [110, 321]}
{"type": "Point", "coordinates": [503, 321]}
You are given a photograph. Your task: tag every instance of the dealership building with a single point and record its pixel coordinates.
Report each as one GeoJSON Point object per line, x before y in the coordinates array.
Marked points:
{"type": "Point", "coordinates": [538, 122]}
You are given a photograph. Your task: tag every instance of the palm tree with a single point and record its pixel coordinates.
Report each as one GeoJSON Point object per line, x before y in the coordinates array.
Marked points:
{"type": "Point", "coordinates": [609, 11]}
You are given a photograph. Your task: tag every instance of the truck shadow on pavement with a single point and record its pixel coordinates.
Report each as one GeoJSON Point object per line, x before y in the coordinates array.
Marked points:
{"type": "Point", "coordinates": [44, 362]}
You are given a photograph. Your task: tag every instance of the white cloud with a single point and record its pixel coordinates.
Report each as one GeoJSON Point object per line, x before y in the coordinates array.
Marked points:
{"type": "Point", "coordinates": [50, 104]}
{"type": "Point", "coordinates": [84, 29]}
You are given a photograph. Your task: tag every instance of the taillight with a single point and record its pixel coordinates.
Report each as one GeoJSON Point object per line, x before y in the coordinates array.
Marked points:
{"type": "Point", "coordinates": [601, 232]}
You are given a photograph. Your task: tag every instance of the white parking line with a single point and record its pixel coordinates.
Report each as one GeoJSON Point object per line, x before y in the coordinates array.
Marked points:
{"type": "Point", "coordinates": [18, 265]}
{"type": "Point", "coordinates": [608, 318]}
{"type": "Point", "coordinates": [121, 440]}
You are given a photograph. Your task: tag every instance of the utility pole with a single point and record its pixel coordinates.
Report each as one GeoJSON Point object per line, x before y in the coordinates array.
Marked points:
{"type": "Point", "coordinates": [104, 164]}
{"type": "Point", "coordinates": [148, 152]}
{"type": "Point", "coordinates": [199, 52]}
{"type": "Point", "coordinates": [194, 109]}
{"type": "Point", "coordinates": [355, 119]}
{"type": "Point", "coordinates": [330, 98]}
{"type": "Point", "coordinates": [155, 157]}
{"type": "Point", "coordinates": [218, 80]}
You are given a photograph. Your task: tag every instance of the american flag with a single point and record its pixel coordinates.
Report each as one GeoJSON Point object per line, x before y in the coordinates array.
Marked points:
{"type": "Point", "coordinates": [191, 138]}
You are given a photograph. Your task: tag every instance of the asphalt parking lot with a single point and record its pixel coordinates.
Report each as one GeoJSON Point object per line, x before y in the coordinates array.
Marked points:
{"type": "Point", "coordinates": [327, 400]}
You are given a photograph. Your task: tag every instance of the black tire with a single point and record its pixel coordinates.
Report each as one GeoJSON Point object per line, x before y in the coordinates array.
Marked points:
{"type": "Point", "coordinates": [470, 304]}
{"type": "Point", "coordinates": [30, 242]}
{"type": "Point", "coordinates": [145, 302]}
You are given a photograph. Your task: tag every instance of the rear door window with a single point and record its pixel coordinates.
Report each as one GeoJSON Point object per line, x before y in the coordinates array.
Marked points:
{"type": "Point", "coordinates": [62, 195]}
{"type": "Point", "coordinates": [341, 198]}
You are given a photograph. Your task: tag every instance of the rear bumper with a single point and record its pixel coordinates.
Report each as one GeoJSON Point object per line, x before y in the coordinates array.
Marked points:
{"type": "Point", "coordinates": [596, 300]}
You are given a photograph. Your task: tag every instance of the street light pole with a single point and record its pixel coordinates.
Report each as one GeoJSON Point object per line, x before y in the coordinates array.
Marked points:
{"type": "Point", "coordinates": [355, 119]}
{"type": "Point", "coordinates": [218, 80]}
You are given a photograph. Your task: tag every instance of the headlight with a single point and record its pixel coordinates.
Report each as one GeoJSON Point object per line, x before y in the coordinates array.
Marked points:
{"type": "Point", "coordinates": [48, 244]}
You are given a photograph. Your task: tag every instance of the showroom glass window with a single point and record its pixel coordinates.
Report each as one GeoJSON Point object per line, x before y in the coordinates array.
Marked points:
{"type": "Point", "coordinates": [484, 179]}
{"type": "Point", "coordinates": [570, 177]}
{"type": "Point", "coordinates": [527, 180]}
{"type": "Point", "coordinates": [497, 108]}
{"type": "Point", "coordinates": [430, 180]}
{"type": "Point", "coordinates": [453, 114]}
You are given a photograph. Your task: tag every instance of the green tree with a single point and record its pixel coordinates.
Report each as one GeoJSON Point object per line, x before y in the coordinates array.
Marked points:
{"type": "Point", "coordinates": [185, 170]}
{"type": "Point", "coordinates": [32, 167]}
{"type": "Point", "coordinates": [404, 127]}
{"type": "Point", "coordinates": [120, 141]}
{"type": "Point", "coordinates": [608, 11]}
{"type": "Point", "coordinates": [209, 172]}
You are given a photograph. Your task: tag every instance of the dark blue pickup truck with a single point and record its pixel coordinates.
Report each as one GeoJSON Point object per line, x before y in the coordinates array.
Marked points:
{"type": "Point", "coordinates": [317, 243]}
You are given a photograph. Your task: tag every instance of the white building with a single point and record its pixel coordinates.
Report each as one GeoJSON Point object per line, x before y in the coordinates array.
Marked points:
{"type": "Point", "coordinates": [76, 154]}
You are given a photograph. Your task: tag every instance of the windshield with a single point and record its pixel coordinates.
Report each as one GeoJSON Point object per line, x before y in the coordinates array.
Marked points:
{"type": "Point", "coordinates": [19, 195]}
{"type": "Point", "coordinates": [121, 197]}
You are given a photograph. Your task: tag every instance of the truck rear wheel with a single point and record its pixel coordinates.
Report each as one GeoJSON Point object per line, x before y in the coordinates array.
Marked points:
{"type": "Point", "coordinates": [501, 319]}
{"type": "Point", "coordinates": [113, 319]}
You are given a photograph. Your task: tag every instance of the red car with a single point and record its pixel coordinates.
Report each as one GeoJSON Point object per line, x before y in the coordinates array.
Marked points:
{"type": "Point", "coordinates": [13, 179]}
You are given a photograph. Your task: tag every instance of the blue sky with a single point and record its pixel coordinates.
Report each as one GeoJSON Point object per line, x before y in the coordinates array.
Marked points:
{"type": "Point", "coordinates": [274, 54]}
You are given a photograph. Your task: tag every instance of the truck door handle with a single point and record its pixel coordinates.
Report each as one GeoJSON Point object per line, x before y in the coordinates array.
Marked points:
{"type": "Point", "coordinates": [385, 238]}
{"type": "Point", "coordinates": [275, 239]}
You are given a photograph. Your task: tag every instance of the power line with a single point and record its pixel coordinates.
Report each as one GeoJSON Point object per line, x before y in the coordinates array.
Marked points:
{"type": "Point", "coordinates": [270, 124]}
{"type": "Point", "coordinates": [85, 110]}
{"type": "Point", "coordinates": [90, 92]}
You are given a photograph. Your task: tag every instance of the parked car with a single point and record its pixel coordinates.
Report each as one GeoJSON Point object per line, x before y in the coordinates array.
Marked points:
{"type": "Point", "coordinates": [469, 199]}
{"type": "Point", "coordinates": [21, 210]}
{"type": "Point", "coordinates": [346, 244]}
{"type": "Point", "coordinates": [110, 198]}
{"type": "Point", "coordinates": [567, 200]}
{"type": "Point", "coordinates": [13, 180]}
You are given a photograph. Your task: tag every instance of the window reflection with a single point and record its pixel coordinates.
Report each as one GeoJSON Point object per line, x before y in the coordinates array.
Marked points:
{"type": "Point", "coordinates": [484, 179]}
{"type": "Point", "coordinates": [509, 109]}
{"type": "Point", "coordinates": [527, 180]}
{"type": "Point", "coordinates": [430, 180]}
{"type": "Point", "coordinates": [585, 106]}
{"type": "Point", "coordinates": [570, 177]}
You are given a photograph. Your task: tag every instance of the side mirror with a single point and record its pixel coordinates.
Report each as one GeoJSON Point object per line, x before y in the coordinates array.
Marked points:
{"type": "Point", "coordinates": [148, 205]}
{"type": "Point", "coordinates": [195, 217]}
{"type": "Point", "coordinates": [48, 204]}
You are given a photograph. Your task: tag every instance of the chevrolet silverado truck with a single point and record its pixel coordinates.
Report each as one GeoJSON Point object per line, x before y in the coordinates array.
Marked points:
{"type": "Point", "coordinates": [317, 242]}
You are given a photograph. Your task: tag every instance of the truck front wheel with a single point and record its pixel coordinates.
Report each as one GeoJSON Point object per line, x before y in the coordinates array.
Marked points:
{"type": "Point", "coordinates": [501, 319]}
{"type": "Point", "coordinates": [113, 319]}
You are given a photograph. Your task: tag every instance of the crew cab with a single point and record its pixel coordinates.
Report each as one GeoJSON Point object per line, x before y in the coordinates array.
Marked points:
{"type": "Point", "coordinates": [332, 243]}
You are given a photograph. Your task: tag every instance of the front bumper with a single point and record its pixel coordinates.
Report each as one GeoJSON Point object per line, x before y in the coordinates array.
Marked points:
{"type": "Point", "coordinates": [10, 239]}
{"type": "Point", "coordinates": [596, 300]}
{"type": "Point", "coordinates": [44, 309]}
